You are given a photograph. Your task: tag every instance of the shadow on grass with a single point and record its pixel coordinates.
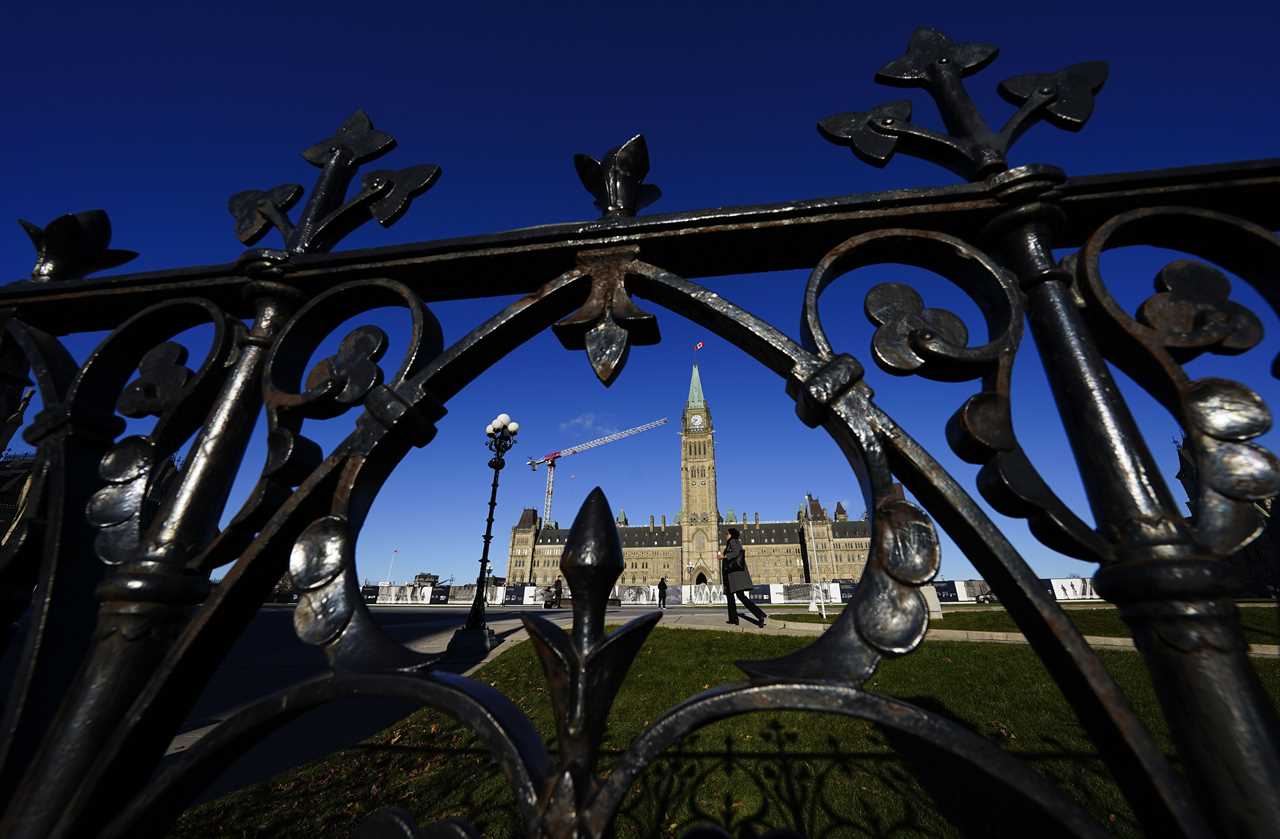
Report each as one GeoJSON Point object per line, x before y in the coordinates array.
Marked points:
{"type": "Point", "coordinates": [897, 787]}
{"type": "Point", "coordinates": [822, 775]}
{"type": "Point", "coordinates": [979, 804]}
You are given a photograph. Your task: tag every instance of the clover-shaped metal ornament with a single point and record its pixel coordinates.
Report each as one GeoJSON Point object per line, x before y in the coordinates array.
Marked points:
{"type": "Point", "coordinates": [344, 378]}
{"type": "Point", "coordinates": [162, 375]}
{"type": "Point", "coordinates": [73, 246]}
{"type": "Point", "coordinates": [616, 180]}
{"type": "Point", "coordinates": [1070, 92]}
{"type": "Point", "coordinates": [355, 138]}
{"type": "Point", "coordinates": [970, 147]}
{"type": "Point", "coordinates": [1193, 312]}
{"type": "Point", "coordinates": [327, 218]}
{"type": "Point", "coordinates": [927, 52]}
{"type": "Point", "coordinates": [868, 133]}
{"type": "Point", "coordinates": [256, 211]}
{"type": "Point", "coordinates": [384, 195]}
{"type": "Point", "coordinates": [397, 188]}
{"type": "Point", "coordinates": [900, 313]}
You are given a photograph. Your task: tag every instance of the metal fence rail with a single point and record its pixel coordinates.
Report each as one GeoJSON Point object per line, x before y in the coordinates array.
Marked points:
{"type": "Point", "coordinates": [110, 557]}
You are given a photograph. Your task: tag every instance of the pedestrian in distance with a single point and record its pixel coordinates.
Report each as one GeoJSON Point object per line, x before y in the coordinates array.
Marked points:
{"type": "Point", "coordinates": [736, 578]}
{"type": "Point", "coordinates": [662, 593]}
{"type": "Point", "coordinates": [556, 592]}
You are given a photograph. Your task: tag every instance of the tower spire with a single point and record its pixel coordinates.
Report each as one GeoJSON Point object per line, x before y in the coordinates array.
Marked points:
{"type": "Point", "coordinates": [695, 388]}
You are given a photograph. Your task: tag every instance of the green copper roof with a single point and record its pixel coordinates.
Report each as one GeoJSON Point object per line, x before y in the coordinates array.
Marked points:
{"type": "Point", "coordinates": [695, 389]}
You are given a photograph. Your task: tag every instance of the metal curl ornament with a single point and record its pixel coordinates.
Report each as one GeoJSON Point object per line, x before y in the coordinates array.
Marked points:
{"type": "Point", "coordinates": [911, 339]}
{"type": "Point", "coordinates": [1190, 314]}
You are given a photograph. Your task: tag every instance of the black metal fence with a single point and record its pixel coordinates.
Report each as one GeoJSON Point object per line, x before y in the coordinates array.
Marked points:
{"type": "Point", "coordinates": [110, 557]}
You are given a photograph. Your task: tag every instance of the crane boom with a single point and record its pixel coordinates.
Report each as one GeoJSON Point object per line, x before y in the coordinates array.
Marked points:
{"type": "Point", "coordinates": [551, 458]}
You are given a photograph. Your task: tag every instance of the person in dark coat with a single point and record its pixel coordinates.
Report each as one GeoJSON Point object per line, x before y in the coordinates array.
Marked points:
{"type": "Point", "coordinates": [737, 580]}
{"type": "Point", "coordinates": [662, 593]}
{"type": "Point", "coordinates": [556, 593]}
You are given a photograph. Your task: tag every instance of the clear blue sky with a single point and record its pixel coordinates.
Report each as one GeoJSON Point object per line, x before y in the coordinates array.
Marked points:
{"type": "Point", "coordinates": [159, 113]}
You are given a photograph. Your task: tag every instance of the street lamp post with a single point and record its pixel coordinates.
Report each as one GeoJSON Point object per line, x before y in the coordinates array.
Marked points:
{"type": "Point", "coordinates": [475, 634]}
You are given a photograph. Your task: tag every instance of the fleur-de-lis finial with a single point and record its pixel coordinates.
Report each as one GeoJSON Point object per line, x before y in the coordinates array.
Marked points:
{"type": "Point", "coordinates": [73, 246]}
{"type": "Point", "coordinates": [616, 180]}
{"type": "Point", "coordinates": [970, 149]}
{"type": "Point", "coordinates": [609, 321]}
{"type": "Point", "coordinates": [584, 668]}
{"type": "Point", "coordinates": [384, 195]}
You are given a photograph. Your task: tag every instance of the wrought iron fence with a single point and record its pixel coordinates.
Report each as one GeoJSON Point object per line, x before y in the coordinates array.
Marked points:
{"type": "Point", "coordinates": [111, 553]}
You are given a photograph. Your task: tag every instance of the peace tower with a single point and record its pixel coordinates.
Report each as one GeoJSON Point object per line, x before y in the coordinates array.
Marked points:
{"type": "Point", "coordinates": [699, 514]}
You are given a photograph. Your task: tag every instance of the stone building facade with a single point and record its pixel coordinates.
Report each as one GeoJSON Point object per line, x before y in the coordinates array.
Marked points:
{"type": "Point", "coordinates": [813, 547]}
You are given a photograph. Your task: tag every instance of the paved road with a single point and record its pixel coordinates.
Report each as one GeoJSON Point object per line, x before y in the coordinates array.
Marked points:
{"type": "Point", "coordinates": [269, 657]}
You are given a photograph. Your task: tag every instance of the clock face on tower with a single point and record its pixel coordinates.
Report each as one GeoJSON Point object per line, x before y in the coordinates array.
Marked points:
{"type": "Point", "coordinates": [695, 421]}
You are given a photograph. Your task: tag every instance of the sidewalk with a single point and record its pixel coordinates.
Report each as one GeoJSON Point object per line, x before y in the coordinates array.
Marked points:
{"type": "Point", "coordinates": [674, 619]}
{"type": "Point", "coordinates": [935, 633]}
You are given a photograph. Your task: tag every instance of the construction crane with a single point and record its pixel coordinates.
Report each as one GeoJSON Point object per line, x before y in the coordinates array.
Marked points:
{"type": "Point", "coordinates": [550, 459]}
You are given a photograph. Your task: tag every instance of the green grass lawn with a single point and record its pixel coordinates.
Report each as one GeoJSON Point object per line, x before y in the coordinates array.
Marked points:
{"type": "Point", "coordinates": [1261, 623]}
{"type": "Point", "coordinates": [788, 769]}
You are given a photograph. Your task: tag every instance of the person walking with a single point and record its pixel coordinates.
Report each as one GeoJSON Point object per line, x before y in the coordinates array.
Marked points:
{"type": "Point", "coordinates": [736, 578]}
{"type": "Point", "coordinates": [556, 593]}
{"type": "Point", "coordinates": [662, 593]}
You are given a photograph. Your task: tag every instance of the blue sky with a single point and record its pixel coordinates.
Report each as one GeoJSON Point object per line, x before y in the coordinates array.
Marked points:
{"type": "Point", "coordinates": [159, 113]}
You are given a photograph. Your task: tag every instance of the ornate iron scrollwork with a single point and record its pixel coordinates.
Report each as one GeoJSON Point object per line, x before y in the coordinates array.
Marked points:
{"type": "Point", "coordinates": [118, 540]}
{"type": "Point", "coordinates": [972, 149]}
{"type": "Point", "coordinates": [384, 195]}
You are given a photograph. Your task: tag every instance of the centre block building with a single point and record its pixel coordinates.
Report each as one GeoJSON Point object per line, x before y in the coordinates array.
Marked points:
{"type": "Point", "coordinates": [813, 547]}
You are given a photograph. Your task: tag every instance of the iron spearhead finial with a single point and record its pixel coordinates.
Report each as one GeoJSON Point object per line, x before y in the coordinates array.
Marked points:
{"type": "Point", "coordinates": [585, 669]}
{"type": "Point", "coordinates": [591, 563]}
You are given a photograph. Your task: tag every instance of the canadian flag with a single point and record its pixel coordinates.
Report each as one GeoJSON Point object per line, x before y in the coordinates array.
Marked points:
{"type": "Point", "coordinates": [698, 346]}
